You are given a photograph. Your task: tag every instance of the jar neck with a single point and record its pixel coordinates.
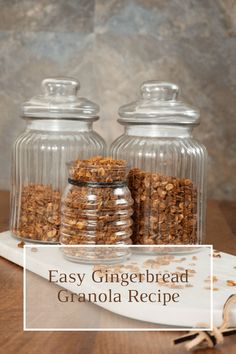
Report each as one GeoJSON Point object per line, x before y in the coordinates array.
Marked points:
{"type": "Point", "coordinates": [59, 125]}
{"type": "Point", "coordinates": [162, 131]}
{"type": "Point", "coordinates": [95, 184]}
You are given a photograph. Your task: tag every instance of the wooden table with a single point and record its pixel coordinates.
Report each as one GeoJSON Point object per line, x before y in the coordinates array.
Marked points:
{"type": "Point", "coordinates": [221, 232]}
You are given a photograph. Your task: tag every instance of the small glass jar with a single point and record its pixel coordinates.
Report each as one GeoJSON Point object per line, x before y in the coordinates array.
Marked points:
{"type": "Point", "coordinates": [96, 208]}
{"type": "Point", "coordinates": [59, 128]}
{"type": "Point", "coordinates": [168, 167]}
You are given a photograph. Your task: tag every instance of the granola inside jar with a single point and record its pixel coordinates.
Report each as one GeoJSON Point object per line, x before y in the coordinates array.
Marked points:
{"type": "Point", "coordinates": [165, 209]}
{"type": "Point", "coordinates": [97, 204]}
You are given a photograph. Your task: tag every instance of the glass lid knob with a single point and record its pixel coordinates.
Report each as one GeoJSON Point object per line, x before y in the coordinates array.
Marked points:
{"type": "Point", "coordinates": [60, 87]}
{"type": "Point", "coordinates": [161, 91]}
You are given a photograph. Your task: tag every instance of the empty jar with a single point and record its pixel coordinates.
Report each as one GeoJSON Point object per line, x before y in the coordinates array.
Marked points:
{"type": "Point", "coordinates": [59, 129]}
{"type": "Point", "coordinates": [168, 166]}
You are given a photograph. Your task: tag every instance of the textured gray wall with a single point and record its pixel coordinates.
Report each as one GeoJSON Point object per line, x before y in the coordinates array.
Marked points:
{"type": "Point", "coordinates": [111, 46]}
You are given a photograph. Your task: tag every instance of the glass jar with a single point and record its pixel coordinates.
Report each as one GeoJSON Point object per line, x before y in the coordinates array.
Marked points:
{"type": "Point", "coordinates": [168, 167]}
{"type": "Point", "coordinates": [96, 208]}
{"type": "Point", "coordinates": [59, 128]}
{"type": "Point", "coordinates": [97, 204]}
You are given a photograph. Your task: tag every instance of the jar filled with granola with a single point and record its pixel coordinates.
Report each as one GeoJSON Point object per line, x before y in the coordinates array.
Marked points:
{"type": "Point", "coordinates": [168, 167]}
{"type": "Point", "coordinates": [59, 128]}
{"type": "Point", "coordinates": [97, 205]}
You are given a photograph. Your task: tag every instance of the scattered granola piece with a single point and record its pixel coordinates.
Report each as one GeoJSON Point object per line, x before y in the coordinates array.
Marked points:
{"type": "Point", "coordinates": [230, 283]}
{"type": "Point", "coordinates": [21, 244]}
{"type": "Point", "coordinates": [214, 279]}
{"type": "Point", "coordinates": [191, 271]}
{"type": "Point", "coordinates": [216, 254]}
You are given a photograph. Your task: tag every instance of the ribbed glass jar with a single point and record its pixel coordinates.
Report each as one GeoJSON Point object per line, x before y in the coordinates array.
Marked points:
{"type": "Point", "coordinates": [168, 167]}
{"type": "Point", "coordinates": [59, 129]}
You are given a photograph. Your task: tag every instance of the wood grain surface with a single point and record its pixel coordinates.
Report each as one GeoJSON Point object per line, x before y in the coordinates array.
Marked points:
{"type": "Point", "coordinates": [221, 232]}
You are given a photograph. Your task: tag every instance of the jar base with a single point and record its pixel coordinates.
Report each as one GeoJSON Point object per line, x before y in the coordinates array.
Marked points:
{"type": "Point", "coordinates": [25, 239]}
{"type": "Point", "coordinates": [95, 256]}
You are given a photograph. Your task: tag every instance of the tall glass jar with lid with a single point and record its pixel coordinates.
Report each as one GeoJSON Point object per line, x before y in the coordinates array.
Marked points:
{"type": "Point", "coordinates": [59, 129]}
{"type": "Point", "coordinates": [168, 175]}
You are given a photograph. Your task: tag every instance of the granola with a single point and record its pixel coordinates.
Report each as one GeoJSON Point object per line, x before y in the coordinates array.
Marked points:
{"type": "Point", "coordinates": [39, 215]}
{"type": "Point", "coordinates": [165, 209]}
{"type": "Point", "coordinates": [98, 169]}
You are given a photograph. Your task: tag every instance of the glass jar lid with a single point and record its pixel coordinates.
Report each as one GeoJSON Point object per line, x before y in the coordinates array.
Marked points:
{"type": "Point", "coordinates": [59, 100]}
{"type": "Point", "coordinates": [158, 104]}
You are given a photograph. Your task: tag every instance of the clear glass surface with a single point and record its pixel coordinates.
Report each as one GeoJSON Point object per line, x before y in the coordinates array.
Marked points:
{"type": "Point", "coordinates": [96, 210]}
{"type": "Point", "coordinates": [168, 169]}
{"type": "Point", "coordinates": [55, 135]}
